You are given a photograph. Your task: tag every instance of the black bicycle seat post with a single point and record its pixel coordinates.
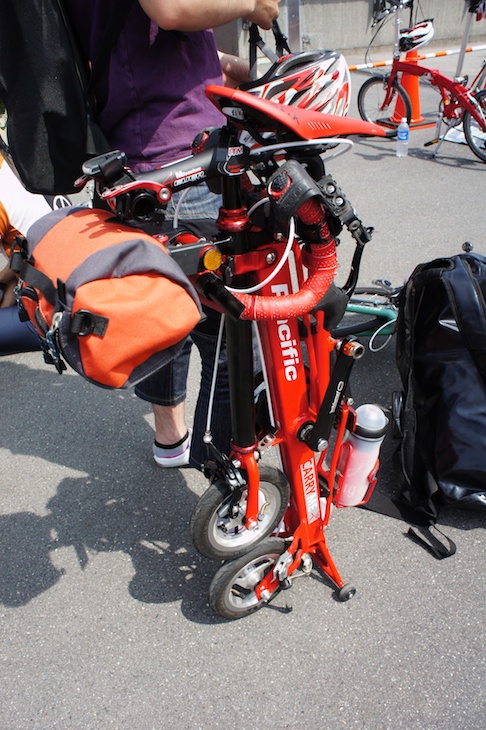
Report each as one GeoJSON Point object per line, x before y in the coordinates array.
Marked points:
{"type": "Point", "coordinates": [233, 220]}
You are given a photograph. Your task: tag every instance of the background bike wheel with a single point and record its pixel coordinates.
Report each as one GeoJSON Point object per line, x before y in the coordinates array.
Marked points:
{"type": "Point", "coordinates": [357, 324]}
{"type": "Point", "coordinates": [371, 97]}
{"type": "Point", "coordinates": [217, 524]}
{"type": "Point", "coordinates": [232, 590]}
{"type": "Point", "coordinates": [475, 136]}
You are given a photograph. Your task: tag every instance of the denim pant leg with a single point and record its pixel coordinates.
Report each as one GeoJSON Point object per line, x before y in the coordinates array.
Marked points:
{"type": "Point", "coordinates": [167, 386]}
{"type": "Point", "coordinates": [220, 424]}
{"type": "Point", "coordinates": [197, 202]}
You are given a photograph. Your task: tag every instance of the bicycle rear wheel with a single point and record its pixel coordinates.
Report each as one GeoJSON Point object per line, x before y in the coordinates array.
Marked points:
{"type": "Point", "coordinates": [372, 108]}
{"type": "Point", "coordinates": [475, 136]}
{"type": "Point", "coordinates": [232, 590]}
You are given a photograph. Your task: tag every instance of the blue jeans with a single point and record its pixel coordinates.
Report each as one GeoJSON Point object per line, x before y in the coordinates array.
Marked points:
{"type": "Point", "coordinates": [168, 386]}
{"type": "Point", "coordinates": [16, 336]}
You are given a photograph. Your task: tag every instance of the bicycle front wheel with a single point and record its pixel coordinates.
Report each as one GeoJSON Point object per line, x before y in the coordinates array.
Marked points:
{"type": "Point", "coordinates": [372, 107]}
{"type": "Point", "coordinates": [218, 523]}
{"type": "Point", "coordinates": [475, 135]}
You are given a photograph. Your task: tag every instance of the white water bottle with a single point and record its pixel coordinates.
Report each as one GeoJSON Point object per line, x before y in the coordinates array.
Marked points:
{"type": "Point", "coordinates": [402, 138]}
{"type": "Point", "coordinates": [360, 452]}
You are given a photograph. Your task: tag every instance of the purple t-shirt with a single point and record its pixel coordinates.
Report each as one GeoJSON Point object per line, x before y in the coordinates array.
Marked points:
{"type": "Point", "coordinates": [151, 100]}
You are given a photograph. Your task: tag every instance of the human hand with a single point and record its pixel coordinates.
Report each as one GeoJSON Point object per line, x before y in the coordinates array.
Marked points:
{"type": "Point", "coordinates": [265, 11]}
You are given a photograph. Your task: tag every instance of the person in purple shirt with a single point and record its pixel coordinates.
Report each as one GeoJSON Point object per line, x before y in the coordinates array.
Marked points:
{"type": "Point", "coordinates": [152, 104]}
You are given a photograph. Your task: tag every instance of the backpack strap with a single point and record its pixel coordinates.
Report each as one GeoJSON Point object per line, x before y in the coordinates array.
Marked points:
{"type": "Point", "coordinates": [23, 268]}
{"type": "Point", "coordinates": [468, 305]}
{"type": "Point", "coordinates": [424, 530]}
{"type": "Point", "coordinates": [111, 33]}
{"type": "Point", "coordinates": [110, 36]}
{"type": "Point", "coordinates": [36, 279]}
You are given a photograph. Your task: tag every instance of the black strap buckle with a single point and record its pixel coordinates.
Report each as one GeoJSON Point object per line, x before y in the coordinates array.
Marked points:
{"type": "Point", "coordinates": [86, 323]}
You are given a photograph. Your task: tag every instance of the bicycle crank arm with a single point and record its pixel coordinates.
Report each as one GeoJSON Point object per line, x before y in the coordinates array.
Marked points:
{"type": "Point", "coordinates": [317, 437]}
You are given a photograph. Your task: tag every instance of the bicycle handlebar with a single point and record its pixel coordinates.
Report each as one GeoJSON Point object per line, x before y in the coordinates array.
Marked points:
{"type": "Point", "coordinates": [322, 265]}
{"type": "Point", "coordinates": [394, 6]}
{"type": "Point", "coordinates": [140, 196]}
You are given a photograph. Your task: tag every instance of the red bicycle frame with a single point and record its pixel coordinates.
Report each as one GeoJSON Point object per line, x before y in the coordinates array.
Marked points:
{"type": "Point", "coordinates": [306, 396]}
{"type": "Point", "coordinates": [297, 391]}
{"type": "Point", "coordinates": [455, 96]}
{"type": "Point", "coordinates": [296, 394]}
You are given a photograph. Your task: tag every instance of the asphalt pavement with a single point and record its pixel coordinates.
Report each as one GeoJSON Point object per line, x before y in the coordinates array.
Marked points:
{"type": "Point", "coordinates": [104, 620]}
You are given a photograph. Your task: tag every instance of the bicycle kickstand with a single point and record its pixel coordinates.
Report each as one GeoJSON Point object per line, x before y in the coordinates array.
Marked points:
{"type": "Point", "coordinates": [437, 140]}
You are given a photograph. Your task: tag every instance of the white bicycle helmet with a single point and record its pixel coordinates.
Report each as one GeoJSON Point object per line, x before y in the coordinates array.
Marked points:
{"type": "Point", "coordinates": [317, 80]}
{"type": "Point", "coordinates": [416, 36]}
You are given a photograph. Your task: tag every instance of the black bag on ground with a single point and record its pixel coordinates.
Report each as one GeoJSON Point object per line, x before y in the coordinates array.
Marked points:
{"type": "Point", "coordinates": [46, 88]}
{"type": "Point", "coordinates": [441, 357]}
{"type": "Point", "coordinates": [441, 413]}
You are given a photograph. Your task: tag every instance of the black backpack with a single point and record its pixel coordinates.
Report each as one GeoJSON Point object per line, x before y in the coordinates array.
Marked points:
{"type": "Point", "coordinates": [441, 357]}
{"type": "Point", "coordinates": [441, 413]}
{"type": "Point", "coordinates": [46, 88]}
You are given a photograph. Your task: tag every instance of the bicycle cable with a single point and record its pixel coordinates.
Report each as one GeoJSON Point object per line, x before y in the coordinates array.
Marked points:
{"type": "Point", "coordinates": [207, 438]}
{"type": "Point", "coordinates": [376, 334]}
{"type": "Point", "coordinates": [182, 197]}
{"type": "Point", "coordinates": [305, 143]}
{"type": "Point", "coordinates": [265, 384]}
{"type": "Point", "coordinates": [274, 272]}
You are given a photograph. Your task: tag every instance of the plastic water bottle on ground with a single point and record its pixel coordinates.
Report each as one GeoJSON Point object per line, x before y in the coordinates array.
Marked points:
{"type": "Point", "coordinates": [402, 138]}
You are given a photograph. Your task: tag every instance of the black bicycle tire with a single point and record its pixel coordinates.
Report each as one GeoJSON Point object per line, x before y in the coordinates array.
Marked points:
{"type": "Point", "coordinates": [203, 525]}
{"type": "Point", "coordinates": [400, 91]}
{"type": "Point", "coordinates": [365, 325]}
{"type": "Point", "coordinates": [222, 597]}
{"type": "Point", "coordinates": [467, 122]}
{"type": "Point", "coordinates": [359, 328]}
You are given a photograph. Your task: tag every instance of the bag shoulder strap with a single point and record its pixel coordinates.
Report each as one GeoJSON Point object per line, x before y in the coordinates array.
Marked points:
{"type": "Point", "coordinates": [424, 531]}
{"type": "Point", "coordinates": [109, 38]}
{"type": "Point", "coordinates": [468, 305]}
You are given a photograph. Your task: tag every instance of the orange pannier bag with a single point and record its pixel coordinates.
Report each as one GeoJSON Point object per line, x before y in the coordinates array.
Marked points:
{"type": "Point", "coordinates": [106, 298]}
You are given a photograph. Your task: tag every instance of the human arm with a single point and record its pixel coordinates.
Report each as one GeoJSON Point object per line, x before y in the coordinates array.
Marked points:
{"type": "Point", "coordinates": [192, 15]}
{"type": "Point", "coordinates": [8, 281]}
{"type": "Point", "coordinates": [235, 69]}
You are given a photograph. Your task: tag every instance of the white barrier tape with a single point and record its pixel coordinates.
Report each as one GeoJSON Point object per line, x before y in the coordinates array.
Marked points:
{"type": "Point", "coordinates": [420, 57]}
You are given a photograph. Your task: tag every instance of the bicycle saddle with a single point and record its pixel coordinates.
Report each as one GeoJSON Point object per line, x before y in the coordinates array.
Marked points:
{"type": "Point", "coordinates": [289, 122]}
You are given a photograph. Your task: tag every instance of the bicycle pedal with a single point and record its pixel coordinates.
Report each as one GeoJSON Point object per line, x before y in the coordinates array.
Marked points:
{"type": "Point", "coordinates": [384, 283]}
{"type": "Point", "coordinates": [432, 141]}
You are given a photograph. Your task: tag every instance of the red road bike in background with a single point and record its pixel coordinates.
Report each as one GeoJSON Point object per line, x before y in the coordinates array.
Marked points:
{"type": "Point", "coordinates": [382, 98]}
